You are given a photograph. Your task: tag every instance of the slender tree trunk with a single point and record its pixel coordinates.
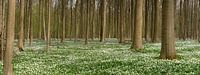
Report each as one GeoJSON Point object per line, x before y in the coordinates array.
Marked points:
{"type": "Point", "coordinates": [87, 23]}
{"type": "Point", "coordinates": [168, 40]}
{"type": "Point", "coordinates": [44, 21]}
{"type": "Point", "coordinates": [147, 21]}
{"type": "Point", "coordinates": [1, 30]}
{"type": "Point", "coordinates": [30, 24]}
{"type": "Point", "coordinates": [21, 32]}
{"type": "Point", "coordinates": [103, 20]}
{"type": "Point", "coordinates": [157, 22]}
{"type": "Point", "coordinates": [93, 19]}
{"type": "Point", "coordinates": [8, 67]}
{"type": "Point", "coordinates": [3, 34]}
{"type": "Point", "coordinates": [137, 42]}
{"type": "Point", "coordinates": [76, 21]}
{"type": "Point", "coordinates": [40, 20]}
{"type": "Point", "coordinates": [59, 20]}
{"type": "Point", "coordinates": [63, 20]}
{"type": "Point", "coordinates": [49, 25]}
{"type": "Point", "coordinates": [72, 24]}
{"type": "Point", "coordinates": [1, 15]}
{"type": "Point", "coordinates": [133, 18]}
{"type": "Point", "coordinates": [122, 21]}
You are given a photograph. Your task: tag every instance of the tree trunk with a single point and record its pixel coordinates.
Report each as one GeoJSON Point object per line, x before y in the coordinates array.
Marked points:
{"type": "Point", "coordinates": [40, 20]}
{"type": "Point", "coordinates": [157, 22]}
{"type": "Point", "coordinates": [44, 21]}
{"type": "Point", "coordinates": [103, 20]}
{"type": "Point", "coordinates": [147, 21]}
{"type": "Point", "coordinates": [168, 40]}
{"type": "Point", "coordinates": [30, 24]}
{"type": "Point", "coordinates": [87, 23]}
{"type": "Point", "coordinates": [1, 30]}
{"type": "Point", "coordinates": [1, 15]}
{"type": "Point", "coordinates": [49, 25]}
{"type": "Point", "coordinates": [21, 32]}
{"type": "Point", "coordinates": [76, 20]}
{"type": "Point", "coordinates": [8, 67]}
{"type": "Point", "coordinates": [122, 21]}
{"type": "Point", "coordinates": [137, 42]}
{"type": "Point", "coordinates": [63, 20]}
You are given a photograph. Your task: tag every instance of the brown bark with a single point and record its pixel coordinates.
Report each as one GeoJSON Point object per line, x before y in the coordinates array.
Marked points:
{"type": "Point", "coordinates": [103, 20]}
{"type": "Point", "coordinates": [122, 21]}
{"type": "Point", "coordinates": [8, 67]}
{"type": "Point", "coordinates": [1, 30]}
{"type": "Point", "coordinates": [1, 15]}
{"type": "Point", "coordinates": [44, 21]}
{"type": "Point", "coordinates": [40, 22]}
{"type": "Point", "coordinates": [76, 20]}
{"type": "Point", "coordinates": [21, 32]}
{"type": "Point", "coordinates": [147, 21]}
{"type": "Point", "coordinates": [168, 40]}
{"type": "Point", "coordinates": [137, 42]}
{"type": "Point", "coordinates": [30, 24]}
{"type": "Point", "coordinates": [63, 20]}
{"type": "Point", "coordinates": [87, 23]}
{"type": "Point", "coordinates": [49, 25]}
{"type": "Point", "coordinates": [157, 22]}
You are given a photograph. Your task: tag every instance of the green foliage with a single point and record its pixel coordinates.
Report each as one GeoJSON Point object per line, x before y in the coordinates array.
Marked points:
{"type": "Point", "coordinates": [105, 59]}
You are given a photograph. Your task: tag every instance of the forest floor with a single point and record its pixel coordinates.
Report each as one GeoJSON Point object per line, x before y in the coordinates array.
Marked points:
{"type": "Point", "coordinates": [105, 59]}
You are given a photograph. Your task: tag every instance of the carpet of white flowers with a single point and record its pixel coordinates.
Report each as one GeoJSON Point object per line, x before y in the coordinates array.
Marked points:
{"type": "Point", "coordinates": [109, 58]}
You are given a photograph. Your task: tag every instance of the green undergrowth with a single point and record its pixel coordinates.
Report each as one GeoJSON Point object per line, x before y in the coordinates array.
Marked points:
{"type": "Point", "coordinates": [108, 58]}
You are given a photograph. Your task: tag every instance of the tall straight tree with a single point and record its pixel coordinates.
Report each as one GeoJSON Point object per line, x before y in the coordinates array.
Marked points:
{"type": "Point", "coordinates": [1, 15]}
{"type": "Point", "coordinates": [87, 23]}
{"type": "Point", "coordinates": [168, 33]}
{"type": "Point", "coordinates": [1, 29]}
{"type": "Point", "coordinates": [40, 18]}
{"type": "Point", "coordinates": [63, 20]}
{"type": "Point", "coordinates": [122, 21]}
{"type": "Point", "coordinates": [77, 20]}
{"type": "Point", "coordinates": [30, 23]}
{"type": "Point", "coordinates": [21, 32]}
{"type": "Point", "coordinates": [147, 20]}
{"type": "Point", "coordinates": [103, 19]}
{"type": "Point", "coordinates": [157, 22]}
{"type": "Point", "coordinates": [8, 67]}
{"type": "Point", "coordinates": [43, 19]}
{"type": "Point", "coordinates": [49, 25]}
{"type": "Point", "coordinates": [137, 38]}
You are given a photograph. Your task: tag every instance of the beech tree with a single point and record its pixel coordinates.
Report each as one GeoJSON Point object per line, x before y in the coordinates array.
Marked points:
{"type": "Point", "coordinates": [168, 33]}
{"type": "Point", "coordinates": [156, 31]}
{"type": "Point", "coordinates": [87, 22]}
{"type": "Point", "coordinates": [21, 32]}
{"type": "Point", "coordinates": [103, 19]}
{"type": "Point", "coordinates": [122, 21]}
{"type": "Point", "coordinates": [43, 20]}
{"type": "Point", "coordinates": [63, 20]}
{"type": "Point", "coordinates": [49, 25]}
{"type": "Point", "coordinates": [1, 15]}
{"type": "Point", "coordinates": [8, 67]}
{"type": "Point", "coordinates": [137, 40]}
{"type": "Point", "coordinates": [1, 29]}
{"type": "Point", "coordinates": [30, 23]}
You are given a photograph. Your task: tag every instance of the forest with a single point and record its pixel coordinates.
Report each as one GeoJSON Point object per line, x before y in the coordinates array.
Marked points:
{"type": "Point", "coordinates": [99, 37]}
